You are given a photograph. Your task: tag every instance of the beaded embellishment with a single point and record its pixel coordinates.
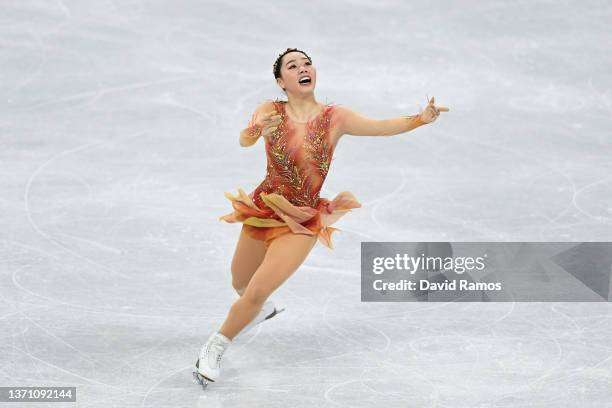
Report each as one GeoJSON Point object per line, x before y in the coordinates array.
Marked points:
{"type": "Point", "coordinates": [254, 130]}
{"type": "Point", "coordinates": [297, 169]}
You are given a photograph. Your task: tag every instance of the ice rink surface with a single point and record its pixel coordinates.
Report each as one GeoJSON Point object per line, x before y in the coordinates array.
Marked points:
{"type": "Point", "coordinates": [119, 126]}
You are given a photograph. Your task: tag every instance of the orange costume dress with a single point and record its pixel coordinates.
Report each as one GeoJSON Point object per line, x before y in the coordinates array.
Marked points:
{"type": "Point", "coordinates": [287, 200]}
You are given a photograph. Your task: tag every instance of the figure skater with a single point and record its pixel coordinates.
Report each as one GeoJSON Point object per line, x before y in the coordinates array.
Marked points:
{"type": "Point", "coordinates": [284, 216]}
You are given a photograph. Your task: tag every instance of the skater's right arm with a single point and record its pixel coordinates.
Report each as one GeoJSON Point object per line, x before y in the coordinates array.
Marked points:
{"type": "Point", "coordinates": [263, 121]}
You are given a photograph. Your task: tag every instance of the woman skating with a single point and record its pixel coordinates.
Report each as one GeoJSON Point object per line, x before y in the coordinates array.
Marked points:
{"type": "Point", "coordinates": [284, 216]}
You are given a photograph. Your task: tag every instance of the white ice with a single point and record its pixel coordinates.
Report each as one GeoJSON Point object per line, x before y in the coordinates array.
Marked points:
{"type": "Point", "coordinates": [119, 125]}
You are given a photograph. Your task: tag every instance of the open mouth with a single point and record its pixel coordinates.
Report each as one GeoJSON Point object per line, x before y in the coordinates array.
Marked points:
{"type": "Point", "coordinates": [305, 81]}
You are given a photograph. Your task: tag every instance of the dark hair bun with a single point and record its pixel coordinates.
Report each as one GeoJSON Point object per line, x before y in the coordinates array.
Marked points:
{"type": "Point", "coordinates": [276, 68]}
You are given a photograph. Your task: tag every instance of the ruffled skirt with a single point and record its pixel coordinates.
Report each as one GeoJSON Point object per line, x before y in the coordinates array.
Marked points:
{"type": "Point", "coordinates": [281, 217]}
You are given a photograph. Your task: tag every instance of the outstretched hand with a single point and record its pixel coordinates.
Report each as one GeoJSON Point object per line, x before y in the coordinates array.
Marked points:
{"type": "Point", "coordinates": [431, 112]}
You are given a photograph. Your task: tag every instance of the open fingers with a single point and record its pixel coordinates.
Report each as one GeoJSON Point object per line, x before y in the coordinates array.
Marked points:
{"type": "Point", "coordinates": [271, 115]}
{"type": "Point", "coordinates": [275, 120]}
{"type": "Point", "coordinates": [432, 102]}
{"type": "Point", "coordinates": [274, 117]}
{"type": "Point", "coordinates": [270, 118]}
{"type": "Point", "coordinates": [438, 109]}
{"type": "Point", "coordinates": [268, 130]}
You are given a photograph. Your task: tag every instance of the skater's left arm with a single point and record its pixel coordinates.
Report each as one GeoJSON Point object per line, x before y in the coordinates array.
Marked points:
{"type": "Point", "coordinates": [352, 123]}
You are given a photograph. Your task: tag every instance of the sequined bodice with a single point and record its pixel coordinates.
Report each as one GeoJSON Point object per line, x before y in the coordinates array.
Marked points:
{"type": "Point", "coordinates": [298, 158]}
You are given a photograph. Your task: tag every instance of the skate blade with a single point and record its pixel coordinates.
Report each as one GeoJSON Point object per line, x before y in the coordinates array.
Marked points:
{"type": "Point", "coordinates": [199, 378]}
{"type": "Point", "coordinates": [274, 313]}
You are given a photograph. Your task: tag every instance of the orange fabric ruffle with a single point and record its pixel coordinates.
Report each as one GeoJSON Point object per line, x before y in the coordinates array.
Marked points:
{"type": "Point", "coordinates": [261, 223]}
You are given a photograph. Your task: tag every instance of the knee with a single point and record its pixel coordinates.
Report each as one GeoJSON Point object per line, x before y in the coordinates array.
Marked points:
{"type": "Point", "coordinates": [256, 294]}
{"type": "Point", "coordinates": [238, 286]}
{"type": "Point", "coordinates": [239, 291]}
{"type": "Point", "coordinates": [239, 279]}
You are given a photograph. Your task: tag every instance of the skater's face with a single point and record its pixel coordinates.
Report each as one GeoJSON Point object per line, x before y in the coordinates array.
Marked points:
{"type": "Point", "coordinates": [294, 66]}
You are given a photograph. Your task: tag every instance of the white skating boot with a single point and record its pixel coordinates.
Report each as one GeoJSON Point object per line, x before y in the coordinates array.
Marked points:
{"type": "Point", "coordinates": [208, 366]}
{"type": "Point", "coordinates": [267, 311]}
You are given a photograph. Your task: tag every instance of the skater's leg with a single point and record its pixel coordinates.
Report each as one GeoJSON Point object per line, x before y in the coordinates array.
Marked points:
{"type": "Point", "coordinates": [248, 255]}
{"type": "Point", "coordinates": [285, 254]}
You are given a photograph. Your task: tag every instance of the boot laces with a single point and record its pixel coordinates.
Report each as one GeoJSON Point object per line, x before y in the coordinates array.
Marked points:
{"type": "Point", "coordinates": [216, 348]}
